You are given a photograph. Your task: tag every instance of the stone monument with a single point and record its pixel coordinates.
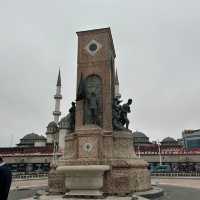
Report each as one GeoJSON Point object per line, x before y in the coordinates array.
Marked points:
{"type": "Point", "coordinates": [99, 157]}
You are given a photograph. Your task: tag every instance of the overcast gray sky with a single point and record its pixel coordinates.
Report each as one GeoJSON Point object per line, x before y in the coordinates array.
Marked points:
{"type": "Point", "coordinates": [157, 44]}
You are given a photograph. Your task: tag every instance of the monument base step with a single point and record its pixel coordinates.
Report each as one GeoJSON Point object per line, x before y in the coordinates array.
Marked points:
{"type": "Point", "coordinates": [84, 193]}
{"type": "Point", "coordinates": [54, 197]}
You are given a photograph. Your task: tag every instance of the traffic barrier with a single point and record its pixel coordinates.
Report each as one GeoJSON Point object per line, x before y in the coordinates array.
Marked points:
{"type": "Point", "coordinates": [189, 174]}
{"type": "Point", "coordinates": [29, 176]}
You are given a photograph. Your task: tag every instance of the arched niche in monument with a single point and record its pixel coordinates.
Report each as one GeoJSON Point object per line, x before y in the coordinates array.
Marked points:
{"type": "Point", "coordinates": [93, 100]}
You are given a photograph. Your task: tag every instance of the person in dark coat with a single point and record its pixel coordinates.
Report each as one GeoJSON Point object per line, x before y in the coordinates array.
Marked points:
{"type": "Point", "coordinates": [5, 180]}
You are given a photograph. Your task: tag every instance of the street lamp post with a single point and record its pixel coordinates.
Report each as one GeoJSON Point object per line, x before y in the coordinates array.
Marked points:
{"type": "Point", "coordinates": [138, 150]}
{"type": "Point", "coordinates": [159, 152]}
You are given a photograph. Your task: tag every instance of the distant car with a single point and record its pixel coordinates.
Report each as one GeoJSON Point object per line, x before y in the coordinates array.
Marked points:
{"type": "Point", "coordinates": [162, 168]}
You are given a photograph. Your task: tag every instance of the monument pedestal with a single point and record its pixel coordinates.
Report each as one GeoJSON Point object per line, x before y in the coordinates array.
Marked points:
{"type": "Point", "coordinates": [56, 182]}
{"type": "Point", "coordinates": [84, 180]}
{"type": "Point", "coordinates": [127, 177]}
{"type": "Point", "coordinates": [128, 173]}
{"type": "Point", "coordinates": [94, 142]}
{"type": "Point", "coordinates": [95, 169]}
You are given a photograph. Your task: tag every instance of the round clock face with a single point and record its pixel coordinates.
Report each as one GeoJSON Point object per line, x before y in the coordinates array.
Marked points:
{"type": "Point", "coordinates": [93, 47]}
{"type": "Point", "coordinates": [87, 147]}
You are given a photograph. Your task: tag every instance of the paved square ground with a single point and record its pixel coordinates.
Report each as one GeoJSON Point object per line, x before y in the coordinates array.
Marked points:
{"type": "Point", "coordinates": [175, 189]}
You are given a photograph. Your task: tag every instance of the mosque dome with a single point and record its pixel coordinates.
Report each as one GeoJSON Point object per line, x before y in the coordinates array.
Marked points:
{"type": "Point", "coordinates": [52, 128]}
{"type": "Point", "coordinates": [139, 134]}
{"type": "Point", "coordinates": [52, 124]}
{"type": "Point", "coordinates": [33, 136]}
{"type": "Point", "coordinates": [64, 122]}
{"type": "Point", "coordinates": [140, 138]}
{"type": "Point", "coordinates": [168, 139]}
{"type": "Point", "coordinates": [31, 139]}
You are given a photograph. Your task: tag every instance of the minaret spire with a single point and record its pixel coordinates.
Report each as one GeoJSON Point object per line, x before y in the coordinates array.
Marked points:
{"type": "Point", "coordinates": [57, 98]}
{"type": "Point", "coordinates": [117, 94]}
{"type": "Point", "coordinates": [59, 79]}
{"type": "Point", "coordinates": [116, 78]}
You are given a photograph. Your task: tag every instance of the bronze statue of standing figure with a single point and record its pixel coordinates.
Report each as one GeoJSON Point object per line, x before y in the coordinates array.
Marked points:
{"type": "Point", "coordinates": [72, 112]}
{"type": "Point", "coordinates": [125, 109]}
{"type": "Point", "coordinates": [92, 102]}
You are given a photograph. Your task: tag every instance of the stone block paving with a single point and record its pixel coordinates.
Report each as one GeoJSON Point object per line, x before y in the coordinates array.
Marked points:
{"type": "Point", "coordinates": [107, 198]}
{"type": "Point", "coordinates": [25, 184]}
{"type": "Point", "coordinates": [183, 182]}
{"type": "Point", "coordinates": [174, 189]}
{"type": "Point", "coordinates": [179, 188]}
{"type": "Point", "coordinates": [179, 193]}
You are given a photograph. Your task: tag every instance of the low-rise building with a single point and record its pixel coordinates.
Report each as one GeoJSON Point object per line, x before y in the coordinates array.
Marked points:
{"type": "Point", "coordinates": [32, 140]}
{"type": "Point", "coordinates": [191, 138]}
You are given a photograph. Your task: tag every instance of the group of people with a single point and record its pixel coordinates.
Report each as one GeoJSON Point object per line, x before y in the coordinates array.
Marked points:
{"type": "Point", "coordinates": [5, 180]}
{"type": "Point", "coordinates": [120, 114]}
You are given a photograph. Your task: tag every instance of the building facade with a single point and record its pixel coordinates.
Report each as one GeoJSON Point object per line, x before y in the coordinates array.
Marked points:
{"type": "Point", "coordinates": [191, 139]}
{"type": "Point", "coordinates": [32, 140]}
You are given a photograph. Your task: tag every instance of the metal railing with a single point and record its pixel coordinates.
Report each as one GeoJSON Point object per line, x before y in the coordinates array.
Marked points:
{"type": "Point", "coordinates": [30, 176]}
{"type": "Point", "coordinates": [188, 174]}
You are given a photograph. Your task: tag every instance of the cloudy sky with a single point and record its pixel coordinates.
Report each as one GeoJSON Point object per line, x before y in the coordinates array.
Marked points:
{"type": "Point", "coordinates": [157, 44]}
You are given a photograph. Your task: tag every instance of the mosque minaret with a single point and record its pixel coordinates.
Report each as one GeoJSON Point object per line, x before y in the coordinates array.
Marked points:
{"type": "Point", "coordinates": [57, 98]}
{"type": "Point", "coordinates": [117, 94]}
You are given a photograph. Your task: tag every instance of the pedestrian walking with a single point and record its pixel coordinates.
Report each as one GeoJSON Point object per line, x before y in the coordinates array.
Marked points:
{"type": "Point", "coordinates": [5, 180]}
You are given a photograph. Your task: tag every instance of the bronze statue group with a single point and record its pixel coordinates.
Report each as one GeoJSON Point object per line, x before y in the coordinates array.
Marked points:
{"type": "Point", "coordinates": [119, 112]}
